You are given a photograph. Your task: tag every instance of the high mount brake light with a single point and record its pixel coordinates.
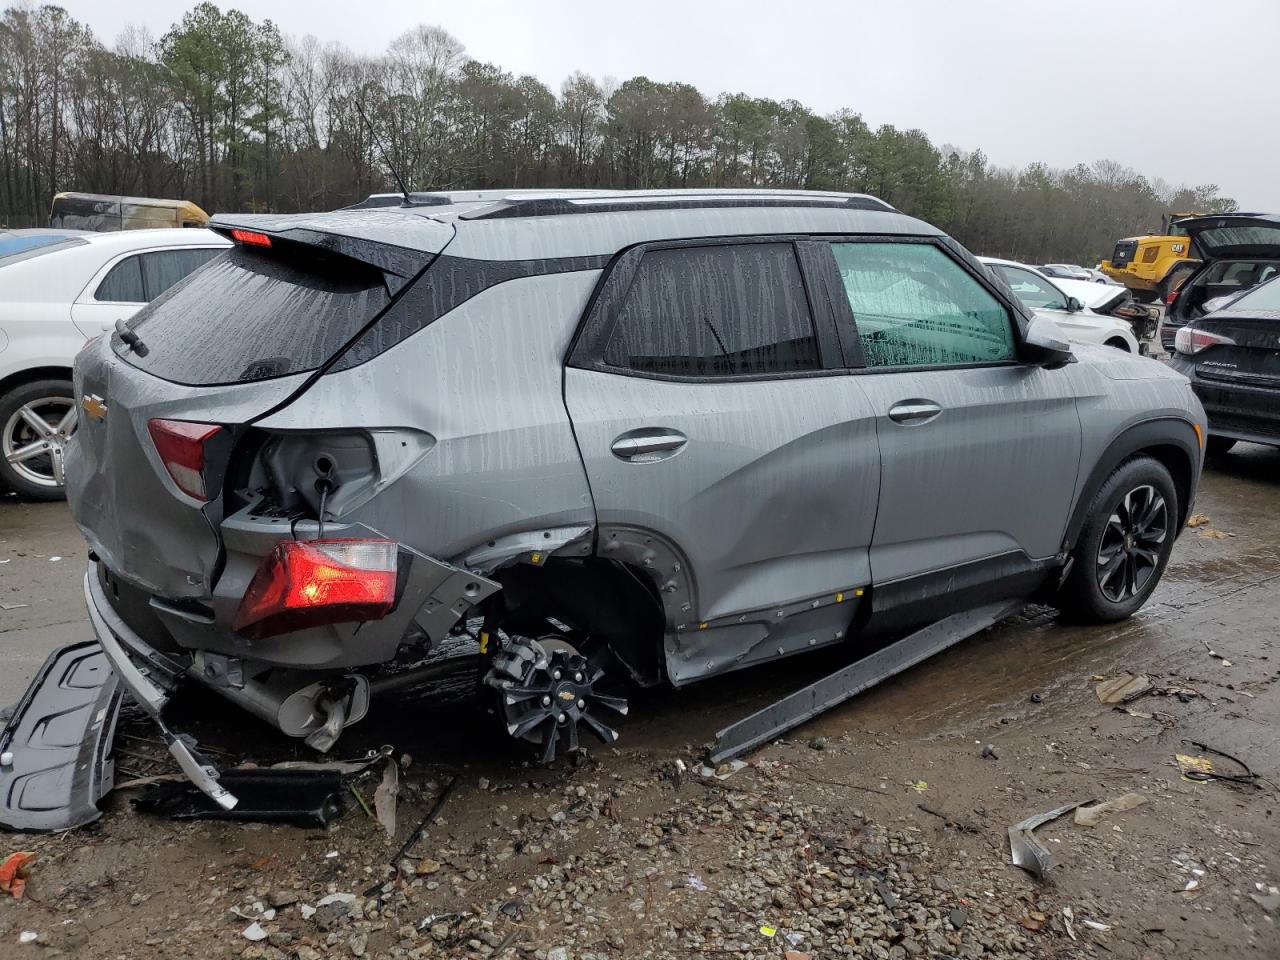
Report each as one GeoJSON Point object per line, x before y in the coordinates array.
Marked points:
{"type": "Point", "coordinates": [251, 237]}
{"type": "Point", "coordinates": [181, 447]}
{"type": "Point", "coordinates": [1191, 341]}
{"type": "Point", "coordinates": [310, 583]}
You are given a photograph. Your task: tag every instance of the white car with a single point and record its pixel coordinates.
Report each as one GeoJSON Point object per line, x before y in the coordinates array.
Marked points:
{"type": "Point", "coordinates": [1079, 307]}
{"type": "Point", "coordinates": [58, 289]}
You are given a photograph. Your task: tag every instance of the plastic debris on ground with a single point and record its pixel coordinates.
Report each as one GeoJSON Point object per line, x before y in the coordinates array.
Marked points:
{"type": "Point", "coordinates": [254, 932]}
{"type": "Point", "coordinates": [724, 771]}
{"type": "Point", "coordinates": [1123, 688]}
{"type": "Point", "coordinates": [28, 936]}
{"type": "Point", "coordinates": [1068, 917]}
{"type": "Point", "coordinates": [305, 798]}
{"type": "Point", "coordinates": [920, 786]}
{"type": "Point", "coordinates": [769, 931]}
{"type": "Point", "coordinates": [1268, 898]}
{"type": "Point", "coordinates": [1215, 654]}
{"type": "Point", "coordinates": [1025, 850]}
{"type": "Point", "coordinates": [14, 873]}
{"type": "Point", "coordinates": [1092, 816]}
{"type": "Point", "coordinates": [384, 797]}
{"type": "Point", "coordinates": [694, 882]}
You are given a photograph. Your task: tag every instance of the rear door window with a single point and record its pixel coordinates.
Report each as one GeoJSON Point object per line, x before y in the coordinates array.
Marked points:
{"type": "Point", "coordinates": [161, 269]}
{"type": "Point", "coordinates": [716, 311]}
{"type": "Point", "coordinates": [254, 315]}
{"type": "Point", "coordinates": [915, 306]}
{"type": "Point", "coordinates": [123, 283]}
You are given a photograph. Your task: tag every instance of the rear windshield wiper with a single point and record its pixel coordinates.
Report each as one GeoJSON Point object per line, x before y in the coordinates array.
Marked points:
{"type": "Point", "coordinates": [131, 339]}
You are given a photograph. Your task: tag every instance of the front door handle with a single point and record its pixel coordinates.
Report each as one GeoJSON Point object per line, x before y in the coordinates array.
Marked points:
{"type": "Point", "coordinates": [648, 443]}
{"type": "Point", "coordinates": [914, 411]}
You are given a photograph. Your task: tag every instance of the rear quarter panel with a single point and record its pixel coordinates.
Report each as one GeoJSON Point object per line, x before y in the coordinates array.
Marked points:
{"type": "Point", "coordinates": [486, 382]}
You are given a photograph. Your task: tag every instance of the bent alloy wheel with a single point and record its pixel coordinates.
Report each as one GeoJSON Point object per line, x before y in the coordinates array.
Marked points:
{"type": "Point", "coordinates": [1124, 544]}
{"type": "Point", "coordinates": [546, 690]}
{"type": "Point", "coordinates": [1129, 550]}
{"type": "Point", "coordinates": [36, 422]}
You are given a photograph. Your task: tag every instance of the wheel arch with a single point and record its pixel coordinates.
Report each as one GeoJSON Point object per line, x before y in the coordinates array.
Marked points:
{"type": "Point", "coordinates": [32, 374]}
{"type": "Point", "coordinates": [1170, 441]}
{"type": "Point", "coordinates": [611, 600]}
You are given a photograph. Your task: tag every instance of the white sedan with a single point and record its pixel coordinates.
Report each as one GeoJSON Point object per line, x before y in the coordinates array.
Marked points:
{"type": "Point", "coordinates": [1079, 307]}
{"type": "Point", "coordinates": [58, 289]}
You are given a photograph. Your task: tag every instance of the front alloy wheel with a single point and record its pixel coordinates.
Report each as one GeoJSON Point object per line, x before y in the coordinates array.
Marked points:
{"type": "Point", "coordinates": [1124, 544]}
{"type": "Point", "coordinates": [1130, 548]}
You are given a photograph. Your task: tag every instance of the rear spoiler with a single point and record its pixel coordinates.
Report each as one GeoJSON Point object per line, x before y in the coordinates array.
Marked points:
{"type": "Point", "coordinates": [400, 245]}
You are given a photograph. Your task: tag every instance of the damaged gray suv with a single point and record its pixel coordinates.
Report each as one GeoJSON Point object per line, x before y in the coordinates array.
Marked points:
{"type": "Point", "coordinates": [618, 437]}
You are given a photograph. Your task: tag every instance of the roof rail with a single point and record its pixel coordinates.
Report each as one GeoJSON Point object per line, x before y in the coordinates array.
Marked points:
{"type": "Point", "coordinates": [551, 205]}
{"type": "Point", "coordinates": [377, 201]}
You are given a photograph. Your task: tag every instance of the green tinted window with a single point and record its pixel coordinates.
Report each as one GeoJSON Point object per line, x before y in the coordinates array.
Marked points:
{"type": "Point", "coordinates": [915, 306]}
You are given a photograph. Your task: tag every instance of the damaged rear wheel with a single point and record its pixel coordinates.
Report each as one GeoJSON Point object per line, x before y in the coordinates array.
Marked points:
{"type": "Point", "coordinates": [546, 690]}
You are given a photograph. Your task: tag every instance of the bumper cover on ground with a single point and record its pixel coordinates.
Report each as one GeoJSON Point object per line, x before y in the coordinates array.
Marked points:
{"type": "Point", "coordinates": [55, 751]}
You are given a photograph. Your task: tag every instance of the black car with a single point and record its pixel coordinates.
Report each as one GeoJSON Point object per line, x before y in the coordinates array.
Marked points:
{"type": "Point", "coordinates": [1232, 356]}
{"type": "Point", "coordinates": [1237, 252]}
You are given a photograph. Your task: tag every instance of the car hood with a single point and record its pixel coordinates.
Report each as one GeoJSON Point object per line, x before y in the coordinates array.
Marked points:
{"type": "Point", "coordinates": [1235, 235]}
{"type": "Point", "coordinates": [1098, 297]}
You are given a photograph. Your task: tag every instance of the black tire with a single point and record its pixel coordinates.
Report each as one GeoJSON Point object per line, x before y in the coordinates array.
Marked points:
{"type": "Point", "coordinates": [1125, 544]}
{"type": "Point", "coordinates": [1217, 446]}
{"type": "Point", "coordinates": [1174, 280]}
{"type": "Point", "coordinates": [23, 478]}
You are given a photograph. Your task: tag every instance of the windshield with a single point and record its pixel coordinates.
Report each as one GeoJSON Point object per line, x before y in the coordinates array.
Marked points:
{"type": "Point", "coordinates": [253, 315]}
{"type": "Point", "coordinates": [23, 246]}
{"type": "Point", "coordinates": [1031, 289]}
{"type": "Point", "coordinates": [1264, 297]}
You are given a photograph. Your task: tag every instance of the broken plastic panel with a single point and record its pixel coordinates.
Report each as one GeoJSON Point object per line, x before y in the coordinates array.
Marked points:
{"type": "Point", "coordinates": [55, 751]}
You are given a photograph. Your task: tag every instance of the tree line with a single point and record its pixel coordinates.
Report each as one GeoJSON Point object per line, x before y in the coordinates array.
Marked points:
{"type": "Point", "coordinates": [228, 112]}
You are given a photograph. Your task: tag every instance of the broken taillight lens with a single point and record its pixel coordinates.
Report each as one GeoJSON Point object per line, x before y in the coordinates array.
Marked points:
{"type": "Point", "coordinates": [309, 583]}
{"type": "Point", "coordinates": [181, 447]}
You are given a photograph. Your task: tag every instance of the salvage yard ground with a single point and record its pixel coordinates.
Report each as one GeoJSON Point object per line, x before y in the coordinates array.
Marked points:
{"type": "Point", "coordinates": [879, 830]}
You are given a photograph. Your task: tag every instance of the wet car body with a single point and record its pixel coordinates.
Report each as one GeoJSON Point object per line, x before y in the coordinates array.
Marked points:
{"type": "Point", "coordinates": [479, 394]}
{"type": "Point", "coordinates": [1232, 357]}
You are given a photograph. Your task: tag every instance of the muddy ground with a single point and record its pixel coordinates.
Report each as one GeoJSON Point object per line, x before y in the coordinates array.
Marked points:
{"type": "Point", "coordinates": [878, 830]}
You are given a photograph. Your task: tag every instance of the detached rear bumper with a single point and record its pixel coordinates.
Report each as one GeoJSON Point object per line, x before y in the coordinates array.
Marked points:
{"type": "Point", "coordinates": [148, 675]}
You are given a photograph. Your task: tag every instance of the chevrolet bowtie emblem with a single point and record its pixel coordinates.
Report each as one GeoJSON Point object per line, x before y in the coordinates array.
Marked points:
{"type": "Point", "coordinates": [94, 406]}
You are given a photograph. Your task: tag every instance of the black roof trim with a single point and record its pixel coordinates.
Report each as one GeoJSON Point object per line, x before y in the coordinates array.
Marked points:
{"type": "Point", "coordinates": [559, 206]}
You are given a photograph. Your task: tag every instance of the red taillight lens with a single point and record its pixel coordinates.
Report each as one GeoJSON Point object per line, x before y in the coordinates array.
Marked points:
{"type": "Point", "coordinates": [181, 447]}
{"type": "Point", "coordinates": [1191, 341]}
{"type": "Point", "coordinates": [314, 582]}
{"type": "Point", "coordinates": [1171, 297]}
{"type": "Point", "coordinates": [251, 237]}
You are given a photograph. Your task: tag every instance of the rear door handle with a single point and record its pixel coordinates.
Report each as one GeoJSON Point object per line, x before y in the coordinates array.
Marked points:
{"type": "Point", "coordinates": [914, 411]}
{"type": "Point", "coordinates": [648, 443]}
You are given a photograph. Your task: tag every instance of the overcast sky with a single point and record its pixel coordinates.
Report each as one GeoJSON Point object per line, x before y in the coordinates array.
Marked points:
{"type": "Point", "coordinates": [1062, 82]}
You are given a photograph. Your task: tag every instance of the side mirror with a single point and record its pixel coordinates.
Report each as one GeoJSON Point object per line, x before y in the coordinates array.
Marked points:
{"type": "Point", "coordinates": [1074, 305]}
{"type": "Point", "coordinates": [1045, 345]}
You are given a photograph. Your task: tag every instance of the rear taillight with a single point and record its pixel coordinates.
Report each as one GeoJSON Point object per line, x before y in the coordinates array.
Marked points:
{"type": "Point", "coordinates": [1191, 341]}
{"type": "Point", "coordinates": [181, 446]}
{"type": "Point", "coordinates": [1171, 297]}
{"type": "Point", "coordinates": [309, 583]}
